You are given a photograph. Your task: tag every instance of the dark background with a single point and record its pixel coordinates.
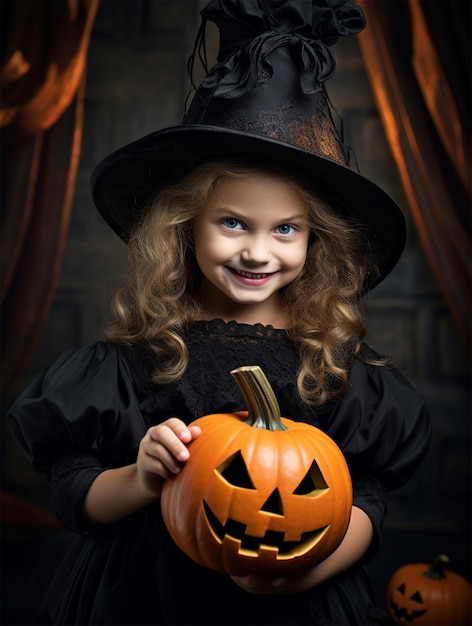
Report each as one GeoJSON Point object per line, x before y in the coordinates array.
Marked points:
{"type": "Point", "coordinates": [137, 83]}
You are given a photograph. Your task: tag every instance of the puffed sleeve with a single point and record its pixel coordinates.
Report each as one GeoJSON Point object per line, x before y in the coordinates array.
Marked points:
{"type": "Point", "coordinates": [370, 495]}
{"type": "Point", "coordinates": [382, 425]}
{"type": "Point", "coordinates": [84, 404]}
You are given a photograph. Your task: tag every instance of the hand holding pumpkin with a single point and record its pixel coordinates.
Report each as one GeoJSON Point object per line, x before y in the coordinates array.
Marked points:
{"type": "Point", "coordinates": [264, 586]}
{"type": "Point", "coordinates": [295, 583]}
{"type": "Point", "coordinates": [162, 452]}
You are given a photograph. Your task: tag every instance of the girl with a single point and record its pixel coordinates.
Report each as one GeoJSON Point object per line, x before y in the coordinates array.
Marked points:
{"type": "Point", "coordinates": [234, 261]}
{"type": "Point", "coordinates": [250, 266]}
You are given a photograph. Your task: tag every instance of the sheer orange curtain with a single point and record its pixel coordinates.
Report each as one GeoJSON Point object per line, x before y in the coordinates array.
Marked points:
{"type": "Point", "coordinates": [44, 52]}
{"type": "Point", "coordinates": [417, 55]}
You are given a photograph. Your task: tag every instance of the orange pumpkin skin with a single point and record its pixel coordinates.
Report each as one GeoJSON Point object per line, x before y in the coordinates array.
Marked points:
{"type": "Point", "coordinates": [295, 494]}
{"type": "Point", "coordinates": [429, 595]}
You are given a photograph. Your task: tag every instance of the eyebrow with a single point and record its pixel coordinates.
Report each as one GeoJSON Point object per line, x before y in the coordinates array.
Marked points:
{"type": "Point", "coordinates": [293, 218]}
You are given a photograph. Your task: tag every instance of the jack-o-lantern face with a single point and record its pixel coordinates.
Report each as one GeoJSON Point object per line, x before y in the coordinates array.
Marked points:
{"type": "Point", "coordinates": [407, 606]}
{"type": "Point", "coordinates": [429, 595]}
{"type": "Point", "coordinates": [252, 500]}
{"type": "Point", "coordinates": [274, 511]}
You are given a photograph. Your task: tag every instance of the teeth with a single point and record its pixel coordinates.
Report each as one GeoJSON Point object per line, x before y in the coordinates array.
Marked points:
{"type": "Point", "coordinates": [250, 274]}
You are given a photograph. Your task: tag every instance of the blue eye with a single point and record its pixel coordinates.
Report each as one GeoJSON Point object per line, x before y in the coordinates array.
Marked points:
{"type": "Point", "coordinates": [232, 223]}
{"type": "Point", "coordinates": [285, 229]}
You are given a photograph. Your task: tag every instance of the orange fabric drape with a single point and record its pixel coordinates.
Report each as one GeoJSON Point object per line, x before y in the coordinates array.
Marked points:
{"type": "Point", "coordinates": [45, 44]}
{"type": "Point", "coordinates": [419, 92]}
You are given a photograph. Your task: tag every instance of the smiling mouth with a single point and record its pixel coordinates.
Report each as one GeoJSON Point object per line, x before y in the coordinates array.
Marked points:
{"type": "Point", "coordinates": [252, 275]}
{"type": "Point", "coordinates": [272, 539]}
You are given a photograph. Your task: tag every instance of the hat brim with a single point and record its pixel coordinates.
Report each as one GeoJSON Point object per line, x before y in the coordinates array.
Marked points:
{"type": "Point", "coordinates": [125, 183]}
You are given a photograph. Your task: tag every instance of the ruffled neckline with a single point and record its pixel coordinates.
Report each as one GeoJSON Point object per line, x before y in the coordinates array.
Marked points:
{"type": "Point", "coordinates": [234, 329]}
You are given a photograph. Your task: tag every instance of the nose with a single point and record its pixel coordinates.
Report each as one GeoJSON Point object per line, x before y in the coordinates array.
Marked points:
{"type": "Point", "coordinates": [256, 250]}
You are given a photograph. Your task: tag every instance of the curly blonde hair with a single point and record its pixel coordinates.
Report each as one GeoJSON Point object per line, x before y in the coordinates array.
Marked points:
{"type": "Point", "coordinates": [159, 299]}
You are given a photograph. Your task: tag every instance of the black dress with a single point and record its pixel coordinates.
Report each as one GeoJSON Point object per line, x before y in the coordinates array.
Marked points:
{"type": "Point", "coordinates": [89, 411]}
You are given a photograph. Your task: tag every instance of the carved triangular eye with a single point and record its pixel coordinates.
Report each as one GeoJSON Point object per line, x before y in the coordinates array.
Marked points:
{"type": "Point", "coordinates": [312, 483]}
{"type": "Point", "coordinates": [401, 589]}
{"type": "Point", "coordinates": [234, 470]}
{"type": "Point", "coordinates": [416, 597]}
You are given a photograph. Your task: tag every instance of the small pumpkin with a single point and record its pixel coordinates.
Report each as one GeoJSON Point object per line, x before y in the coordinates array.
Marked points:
{"type": "Point", "coordinates": [429, 595]}
{"type": "Point", "coordinates": [259, 494]}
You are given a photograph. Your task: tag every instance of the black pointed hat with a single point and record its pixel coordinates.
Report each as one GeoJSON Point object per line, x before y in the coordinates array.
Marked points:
{"type": "Point", "coordinates": [263, 102]}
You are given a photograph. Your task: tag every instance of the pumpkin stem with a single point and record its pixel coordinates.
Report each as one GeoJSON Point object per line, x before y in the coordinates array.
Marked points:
{"type": "Point", "coordinates": [263, 408]}
{"type": "Point", "coordinates": [436, 568]}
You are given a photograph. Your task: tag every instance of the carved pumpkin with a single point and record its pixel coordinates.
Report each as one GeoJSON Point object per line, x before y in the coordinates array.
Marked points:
{"type": "Point", "coordinates": [259, 494]}
{"type": "Point", "coordinates": [429, 595]}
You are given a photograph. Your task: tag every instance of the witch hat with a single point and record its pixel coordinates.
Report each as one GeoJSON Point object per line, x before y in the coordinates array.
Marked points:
{"type": "Point", "coordinates": [263, 102]}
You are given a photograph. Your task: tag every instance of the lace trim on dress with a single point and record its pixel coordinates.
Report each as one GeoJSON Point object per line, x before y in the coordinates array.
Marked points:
{"type": "Point", "coordinates": [218, 327]}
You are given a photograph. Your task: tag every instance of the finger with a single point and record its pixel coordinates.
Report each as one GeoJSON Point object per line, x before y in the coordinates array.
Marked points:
{"type": "Point", "coordinates": [183, 432]}
{"type": "Point", "coordinates": [255, 585]}
{"type": "Point", "coordinates": [160, 458]}
{"type": "Point", "coordinates": [174, 424]}
{"type": "Point", "coordinates": [247, 581]}
{"type": "Point", "coordinates": [195, 431]}
{"type": "Point", "coordinates": [168, 437]}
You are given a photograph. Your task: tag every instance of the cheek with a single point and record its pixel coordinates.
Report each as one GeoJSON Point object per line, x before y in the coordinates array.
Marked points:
{"type": "Point", "coordinates": [209, 249]}
{"type": "Point", "coordinates": [295, 258]}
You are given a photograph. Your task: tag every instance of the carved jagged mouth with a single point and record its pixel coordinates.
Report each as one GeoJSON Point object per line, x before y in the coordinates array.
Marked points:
{"type": "Point", "coordinates": [271, 538]}
{"type": "Point", "coordinates": [404, 615]}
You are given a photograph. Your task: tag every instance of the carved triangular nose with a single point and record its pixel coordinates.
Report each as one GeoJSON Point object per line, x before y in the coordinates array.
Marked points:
{"type": "Point", "coordinates": [273, 504]}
